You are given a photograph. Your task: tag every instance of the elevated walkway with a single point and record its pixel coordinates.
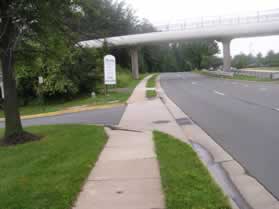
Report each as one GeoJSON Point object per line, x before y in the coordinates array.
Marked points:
{"type": "Point", "coordinates": [222, 29]}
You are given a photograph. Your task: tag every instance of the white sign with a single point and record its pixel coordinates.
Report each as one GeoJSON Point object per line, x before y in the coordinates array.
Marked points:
{"type": "Point", "coordinates": [41, 80]}
{"type": "Point", "coordinates": [2, 89]}
{"type": "Point", "coordinates": [109, 70]}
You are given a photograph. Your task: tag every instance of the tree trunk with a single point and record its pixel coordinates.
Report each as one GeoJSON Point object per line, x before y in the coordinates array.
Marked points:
{"type": "Point", "coordinates": [14, 133]}
{"type": "Point", "coordinates": [11, 110]}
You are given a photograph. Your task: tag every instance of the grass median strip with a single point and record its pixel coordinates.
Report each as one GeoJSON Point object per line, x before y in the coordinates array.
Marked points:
{"type": "Point", "coordinates": [236, 77]}
{"type": "Point", "coordinates": [151, 83]}
{"type": "Point", "coordinates": [151, 93]}
{"type": "Point", "coordinates": [186, 182]}
{"type": "Point", "coordinates": [48, 174]}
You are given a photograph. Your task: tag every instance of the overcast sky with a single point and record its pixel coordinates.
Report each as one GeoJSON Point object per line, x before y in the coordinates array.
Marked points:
{"type": "Point", "coordinates": [165, 11]}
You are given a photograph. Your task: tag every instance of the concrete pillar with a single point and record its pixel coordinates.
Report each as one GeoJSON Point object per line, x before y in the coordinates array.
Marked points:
{"type": "Point", "coordinates": [227, 54]}
{"type": "Point", "coordinates": [135, 62]}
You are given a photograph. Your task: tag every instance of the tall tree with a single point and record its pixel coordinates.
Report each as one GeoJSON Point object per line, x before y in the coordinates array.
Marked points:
{"type": "Point", "coordinates": [22, 20]}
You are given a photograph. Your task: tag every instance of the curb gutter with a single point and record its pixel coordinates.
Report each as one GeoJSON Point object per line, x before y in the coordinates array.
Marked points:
{"type": "Point", "coordinates": [253, 193]}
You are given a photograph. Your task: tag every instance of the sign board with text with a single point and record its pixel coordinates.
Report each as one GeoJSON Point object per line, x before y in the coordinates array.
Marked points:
{"type": "Point", "coordinates": [109, 70]}
{"type": "Point", "coordinates": [41, 80]}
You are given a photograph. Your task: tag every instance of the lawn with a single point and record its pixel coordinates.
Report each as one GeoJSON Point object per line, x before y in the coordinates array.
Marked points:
{"type": "Point", "coordinates": [186, 182]}
{"type": "Point", "coordinates": [48, 174]}
{"type": "Point", "coordinates": [124, 81]}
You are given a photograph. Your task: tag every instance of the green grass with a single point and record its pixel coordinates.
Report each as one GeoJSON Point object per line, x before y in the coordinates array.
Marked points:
{"type": "Point", "coordinates": [235, 77]}
{"type": "Point", "coordinates": [250, 78]}
{"type": "Point", "coordinates": [48, 174]}
{"type": "Point", "coordinates": [124, 81]}
{"type": "Point", "coordinates": [186, 182]}
{"type": "Point", "coordinates": [151, 83]}
{"type": "Point", "coordinates": [262, 68]}
{"type": "Point", "coordinates": [151, 93]}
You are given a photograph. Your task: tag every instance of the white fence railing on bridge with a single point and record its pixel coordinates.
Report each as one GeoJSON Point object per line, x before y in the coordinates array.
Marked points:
{"type": "Point", "coordinates": [204, 22]}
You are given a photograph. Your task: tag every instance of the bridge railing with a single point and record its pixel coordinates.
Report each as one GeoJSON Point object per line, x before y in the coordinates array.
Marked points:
{"type": "Point", "coordinates": [204, 22]}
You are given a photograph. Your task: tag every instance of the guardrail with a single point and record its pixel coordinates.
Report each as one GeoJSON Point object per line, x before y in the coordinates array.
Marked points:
{"type": "Point", "coordinates": [204, 22]}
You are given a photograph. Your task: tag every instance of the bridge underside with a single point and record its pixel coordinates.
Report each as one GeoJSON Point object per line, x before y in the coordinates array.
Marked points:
{"type": "Point", "coordinates": [221, 31]}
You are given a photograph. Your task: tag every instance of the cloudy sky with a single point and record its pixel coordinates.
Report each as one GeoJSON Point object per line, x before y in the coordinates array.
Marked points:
{"type": "Point", "coordinates": [161, 12]}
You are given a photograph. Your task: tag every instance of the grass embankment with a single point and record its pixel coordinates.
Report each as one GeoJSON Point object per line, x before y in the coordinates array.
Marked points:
{"type": "Point", "coordinates": [186, 182]}
{"type": "Point", "coordinates": [48, 174]}
{"type": "Point", "coordinates": [125, 80]}
{"type": "Point", "coordinates": [235, 77]}
{"type": "Point", "coordinates": [263, 68]}
{"type": "Point", "coordinates": [151, 83]}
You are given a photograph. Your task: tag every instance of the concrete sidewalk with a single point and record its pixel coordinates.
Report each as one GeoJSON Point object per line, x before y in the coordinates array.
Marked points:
{"type": "Point", "coordinates": [126, 175]}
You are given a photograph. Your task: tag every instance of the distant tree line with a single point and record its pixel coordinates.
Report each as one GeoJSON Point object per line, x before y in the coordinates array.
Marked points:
{"type": "Point", "coordinates": [244, 61]}
{"type": "Point", "coordinates": [181, 56]}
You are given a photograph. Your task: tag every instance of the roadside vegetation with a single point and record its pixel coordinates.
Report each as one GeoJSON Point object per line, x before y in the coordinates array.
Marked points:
{"type": "Point", "coordinates": [151, 94]}
{"type": "Point", "coordinates": [116, 94]}
{"type": "Point", "coordinates": [269, 61]}
{"type": "Point", "coordinates": [49, 173]}
{"type": "Point", "coordinates": [263, 68]}
{"type": "Point", "coordinates": [151, 83]}
{"type": "Point", "coordinates": [235, 77]}
{"type": "Point", "coordinates": [186, 181]}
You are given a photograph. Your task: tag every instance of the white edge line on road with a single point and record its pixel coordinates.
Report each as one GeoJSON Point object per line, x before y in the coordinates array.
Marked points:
{"type": "Point", "coordinates": [219, 93]}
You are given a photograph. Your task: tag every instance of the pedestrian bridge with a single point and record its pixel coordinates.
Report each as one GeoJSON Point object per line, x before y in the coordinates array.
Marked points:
{"type": "Point", "coordinates": [221, 28]}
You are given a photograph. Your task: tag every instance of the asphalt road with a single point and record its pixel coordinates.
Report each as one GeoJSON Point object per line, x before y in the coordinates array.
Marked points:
{"type": "Point", "coordinates": [241, 116]}
{"type": "Point", "coordinates": [110, 116]}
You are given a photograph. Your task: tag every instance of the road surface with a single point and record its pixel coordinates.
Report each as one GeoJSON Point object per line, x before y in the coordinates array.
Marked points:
{"type": "Point", "coordinates": [111, 116]}
{"type": "Point", "coordinates": [241, 116]}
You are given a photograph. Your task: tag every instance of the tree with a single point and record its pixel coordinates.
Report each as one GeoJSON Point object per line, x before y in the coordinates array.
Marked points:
{"type": "Point", "coordinates": [272, 59]}
{"type": "Point", "coordinates": [241, 61]}
{"type": "Point", "coordinates": [196, 54]}
{"type": "Point", "coordinates": [21, 21]}
{"type": "Point", "coordinates": [259, 59]}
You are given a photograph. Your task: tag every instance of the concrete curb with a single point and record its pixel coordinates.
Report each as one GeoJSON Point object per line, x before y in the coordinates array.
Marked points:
{"type": "Point", "coordinates": [253, 192]}
{"type": "Point", "coordinates": [70, 110]}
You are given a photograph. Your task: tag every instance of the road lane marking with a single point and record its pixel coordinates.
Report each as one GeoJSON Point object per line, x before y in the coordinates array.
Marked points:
{"type": "Point", "coordinates": [277, 109]}
{"type": "Point", "coordinates": [219, 93]}
{"type": "Point", "coordinates": [263, 89]}
{"type": "Point", "coordinates": [194, 83]}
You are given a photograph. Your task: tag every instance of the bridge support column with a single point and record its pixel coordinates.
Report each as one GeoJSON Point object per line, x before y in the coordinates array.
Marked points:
{"type": "Point", "coordinates": [227, 54]}
{"type": "Point", "coordinates": [135, 62]}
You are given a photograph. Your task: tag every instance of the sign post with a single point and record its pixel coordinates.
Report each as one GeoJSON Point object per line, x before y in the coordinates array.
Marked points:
{"type": "Point", "coordinates": [2, 85]}
{"type": "Point", "coordinates": [109, 71]}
